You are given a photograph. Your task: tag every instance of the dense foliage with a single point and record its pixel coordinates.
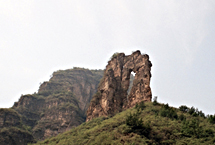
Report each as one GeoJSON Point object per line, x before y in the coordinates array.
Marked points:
{"type": "Point", "coordinates": [146, 123]}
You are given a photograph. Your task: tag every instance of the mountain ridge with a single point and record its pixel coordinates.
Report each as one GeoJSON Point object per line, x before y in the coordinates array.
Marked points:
{"type": "Point", "coordinates": [59, 105]}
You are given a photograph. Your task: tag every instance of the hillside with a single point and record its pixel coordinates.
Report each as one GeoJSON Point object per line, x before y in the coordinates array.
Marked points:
{"type": "Point", "coordinates": [59, 105]}
{"type": "Point", "coordinates": [146, 123]}
{"type": "Point", "coordinates": [12, 130]}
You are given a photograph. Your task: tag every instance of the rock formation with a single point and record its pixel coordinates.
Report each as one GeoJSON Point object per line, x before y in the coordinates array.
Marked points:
{"type": "Point", "coordinates": [59, 105]}
{"type": "Point", "coordinates": [112, 94]}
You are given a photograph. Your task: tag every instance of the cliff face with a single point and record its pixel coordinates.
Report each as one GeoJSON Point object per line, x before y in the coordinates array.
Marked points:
{"type": "Point", "coordinates": [59, 105]}
{"type": "Point", "coordinates": [112, 94]}
{"type": "Point", "coordinates": [82, 83]}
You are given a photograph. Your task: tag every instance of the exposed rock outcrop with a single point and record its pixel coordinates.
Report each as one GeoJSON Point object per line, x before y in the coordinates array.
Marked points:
{"type": "Point", "coordinates": [81, 82]}
{"type": "Point", "coordinates": [112, 95]}
{"type": "Point", "coordinates": [59, 105]}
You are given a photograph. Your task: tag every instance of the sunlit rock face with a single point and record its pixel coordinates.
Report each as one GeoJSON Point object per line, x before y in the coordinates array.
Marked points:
{"type": "Point", "coordinates": [112, 95]}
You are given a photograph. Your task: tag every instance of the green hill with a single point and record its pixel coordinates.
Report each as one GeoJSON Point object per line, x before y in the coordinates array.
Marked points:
{"type": "Point", "coordinates": [146, 123]}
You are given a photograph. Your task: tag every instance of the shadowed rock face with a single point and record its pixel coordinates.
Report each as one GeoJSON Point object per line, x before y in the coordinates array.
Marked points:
{"type": "Point", "coordinates": [59, 105]}
{"type": "Point", "coordinates": [112, 95]}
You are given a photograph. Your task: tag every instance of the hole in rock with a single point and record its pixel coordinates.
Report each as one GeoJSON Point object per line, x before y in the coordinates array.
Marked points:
{"type": "Point", "coordinates": [132, 76]}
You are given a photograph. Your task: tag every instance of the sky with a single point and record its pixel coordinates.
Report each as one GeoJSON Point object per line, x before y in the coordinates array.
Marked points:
{"type": "Point", "coordinates": [39, 37]}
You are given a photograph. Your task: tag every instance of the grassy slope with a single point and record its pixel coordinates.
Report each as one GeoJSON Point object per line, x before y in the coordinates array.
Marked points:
{"type": "Point", "coordinates": [115, 131]}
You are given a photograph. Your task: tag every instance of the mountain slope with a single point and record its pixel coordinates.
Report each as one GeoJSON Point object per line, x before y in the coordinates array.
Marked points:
{"type": "Point", "coordinates": [144, 124]}
{"type": "Point", "coordinates": [12, 130]}
{"type": "Point", "coordinates": [59, 105]}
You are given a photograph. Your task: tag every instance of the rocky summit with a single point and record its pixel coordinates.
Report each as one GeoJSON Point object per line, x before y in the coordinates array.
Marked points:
{"type": "Point", "coordinates": [59, 105]}
{"type": "Point", "coordinates": [112, 95]}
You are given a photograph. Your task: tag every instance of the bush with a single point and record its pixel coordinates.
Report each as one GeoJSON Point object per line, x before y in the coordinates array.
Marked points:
{"type": "Point", "coordinates": [201, 114]}
{"type": "Point", "coordinates": [183, 108]}
{"type": "Point", "coordinates": [211, 119]}
{"type": "Point", "coordinates": [195, 112]}
{"type": "Point", "coordinates": [140, 106]}
{"type": "Point", "coordinates": [169, 112]}
{"type": "Point", "coordinates": [155, 102]}
{"type": "Point", "coordinates": [114, 55]}
{"type": "Point", "coordinates": [136, 123]}
{"type": "Point", "coordinates": [182, 117]}
{"type": "Point", "coordinates": [191, 110]}
{"type": "Point", "coordinates": [209, 133]}
{"type": "Point", "coordinates": [155, 111]}
{"type": "Point", "coordinates": [193, 129]}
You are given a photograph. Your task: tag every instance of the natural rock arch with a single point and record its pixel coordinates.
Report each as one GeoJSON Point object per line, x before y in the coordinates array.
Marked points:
{"type": "Point", "coordinates": [112, 96]}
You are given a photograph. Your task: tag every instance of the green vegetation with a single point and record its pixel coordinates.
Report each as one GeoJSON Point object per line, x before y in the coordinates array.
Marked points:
{"type": "Point", "coordinates": [15, 135]}
{"type": "Point", "coordinates": [211, 119]}
{"type": "Point", "coordinates": [146, 123]}
{"type": "Point", "coordinates": [169, 112]}
{"type": "Point", "coordinates": [114, 55]}
{"type": "Point", "coordinates": [135, 122]}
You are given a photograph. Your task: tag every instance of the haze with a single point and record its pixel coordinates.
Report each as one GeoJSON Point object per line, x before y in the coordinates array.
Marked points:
{"type": "Point", "coordinates": [38, 37]}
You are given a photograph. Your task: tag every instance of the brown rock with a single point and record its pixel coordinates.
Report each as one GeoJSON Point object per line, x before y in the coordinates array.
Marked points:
{"type": "Point", "coordinates": [112, 95]}
{"type": "Point", "coordinates": [60, 103]}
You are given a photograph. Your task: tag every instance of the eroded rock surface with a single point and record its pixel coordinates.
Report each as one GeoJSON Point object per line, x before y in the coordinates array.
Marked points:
{"type": "Point", "coordinates": [60, 103]}
{"type": "Point", "coordinates": [112, 95]}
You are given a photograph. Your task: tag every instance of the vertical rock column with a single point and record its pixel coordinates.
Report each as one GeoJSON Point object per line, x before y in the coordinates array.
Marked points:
{"type": "Point", "coordinates": [112, 96]}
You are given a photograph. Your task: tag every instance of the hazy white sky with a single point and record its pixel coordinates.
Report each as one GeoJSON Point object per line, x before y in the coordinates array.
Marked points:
{"type": "Point", "coordinates": [38, 37]}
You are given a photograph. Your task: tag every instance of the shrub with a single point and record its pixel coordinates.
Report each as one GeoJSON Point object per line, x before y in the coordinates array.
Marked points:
{"type": "Point", "coordinates": [182, 117]}
{"type": "Point", "coordinates": [193, 129]}
{"type": "Point", "coordinates": [201, 114]}
{"type": "Point", "coordinates": [211, 119]}
{"type": "Point", "coordinates": [114, 55]}
{"type": "Point", "coordinates": [134, 121]}
{"type": "Point", "coordinates": [140, 106]}
{"type": "Point", "coordinates": [166, 106]}
{"type": "Point", "coordinates": [136, 124]}
{"type": "Point", "coordinates": [183, 108]}
{"type": "Point", "coordinates": [191, 110]}
{"type": "Point", "coordinates": [209, 133]}
{"type": "Point", "coordinates": [169, 112]}
{"type": "Point", "coordinates": [155, 111]}
{"type": "Point", "coordinates": [155, 102]}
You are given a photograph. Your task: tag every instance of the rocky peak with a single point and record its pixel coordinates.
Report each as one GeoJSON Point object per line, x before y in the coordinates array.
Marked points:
{"type": "Point", "coordinates": [81, 82]}
{"type": "Point", "coordinates": [60, 103]}
{"type": "Point", "coordinates": [112, 94]}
